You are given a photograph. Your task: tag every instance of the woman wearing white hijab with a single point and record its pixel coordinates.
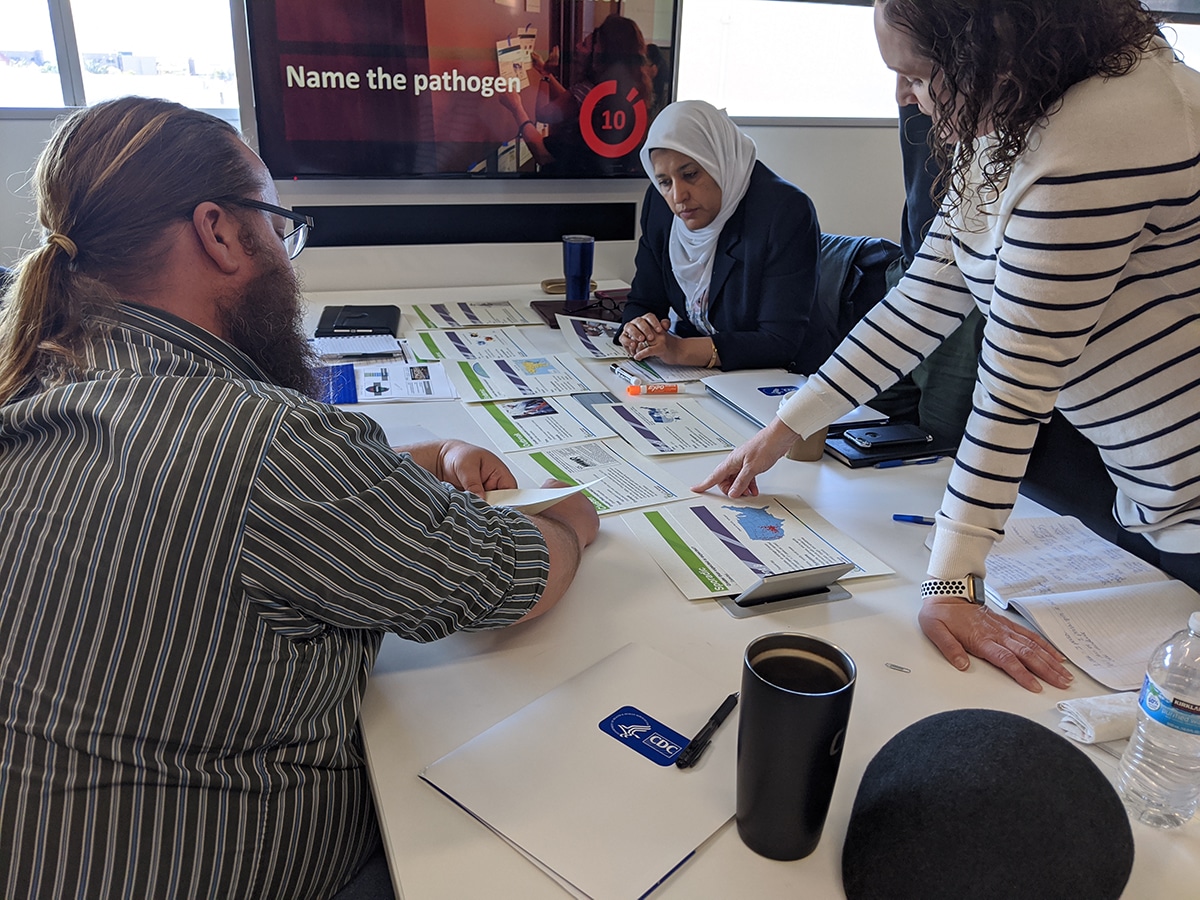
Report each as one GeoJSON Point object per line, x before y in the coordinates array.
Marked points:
{"type": "Point", "coordinates": [727, 246]}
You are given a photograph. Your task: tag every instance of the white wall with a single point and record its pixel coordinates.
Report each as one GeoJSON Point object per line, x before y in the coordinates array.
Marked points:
{"type": "Point", "coordinates": [852, 174]}
{"type": "Point", "coordinates": [21, 140]}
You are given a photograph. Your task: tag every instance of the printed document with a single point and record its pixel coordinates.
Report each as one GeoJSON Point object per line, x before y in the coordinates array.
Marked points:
{"type": "Point", "coordinates": [473, 314]}
{"type": "Point", "coordinates": [717, 548]}
{"type": "Point", "coordinates": [537, 422]}
{"type": "Point", "coordinates": [591, 338]}
{"type": "Point", "coordinates": [669, 426]}
{"type": "Point", "coordinates": [476, 343]}
{"type": "Point", "coordinates": [623, 480]}
{"type": "Point", "coordinates": [383, 380]}
{"type": "Point", "coordinates": [519, 378]}
{"type": "Point", "coordinates": [532, 500]}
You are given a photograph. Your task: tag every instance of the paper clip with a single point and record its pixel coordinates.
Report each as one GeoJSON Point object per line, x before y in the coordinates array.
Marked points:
{"type": "Point", "coordinates": [896, 668]}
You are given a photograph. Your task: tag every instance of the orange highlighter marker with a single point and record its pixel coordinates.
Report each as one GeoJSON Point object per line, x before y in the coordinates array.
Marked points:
{"type": "Point", "coordinates": [664, 388]}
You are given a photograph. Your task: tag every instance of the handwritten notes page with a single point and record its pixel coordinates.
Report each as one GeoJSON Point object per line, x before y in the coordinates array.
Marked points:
{"type": "Point", "coordinates": [1111, 632]}
{"type": "Point", "coordinates": [1101, 606]}
{"type": "Point", "coordinates": [1051, 554]}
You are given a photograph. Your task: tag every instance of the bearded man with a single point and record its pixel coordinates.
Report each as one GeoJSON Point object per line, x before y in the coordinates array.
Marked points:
{"type": "Point", "coordinates": [198, 560]}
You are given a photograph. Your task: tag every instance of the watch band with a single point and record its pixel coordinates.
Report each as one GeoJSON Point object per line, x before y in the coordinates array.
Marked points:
{"type": "Point", "coordinates": [969, 587]}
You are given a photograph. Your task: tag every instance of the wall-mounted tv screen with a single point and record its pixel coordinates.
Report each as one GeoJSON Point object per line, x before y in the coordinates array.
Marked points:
{"type": "Point", "coordinates": [444, 88]}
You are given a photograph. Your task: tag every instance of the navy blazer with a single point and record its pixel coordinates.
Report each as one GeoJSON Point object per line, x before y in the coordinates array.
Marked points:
{"type": "Point", "coordinates": [763, 293]}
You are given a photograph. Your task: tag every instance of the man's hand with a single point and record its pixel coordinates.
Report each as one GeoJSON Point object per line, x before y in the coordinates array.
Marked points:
{"type": "Point", "coordinates": [467, 467]}
{"type": "Point", "coordinates": [471, 468]}
{"type": "Point", "coordinates": [959, 628]}
{"type": "Point", "coordinates": [736, 474]}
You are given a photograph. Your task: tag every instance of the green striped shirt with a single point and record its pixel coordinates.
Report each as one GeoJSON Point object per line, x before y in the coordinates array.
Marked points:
{"type": "Point", "coordinates": [197, 571]}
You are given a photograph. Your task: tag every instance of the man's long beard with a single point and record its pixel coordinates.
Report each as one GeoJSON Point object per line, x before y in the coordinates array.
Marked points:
{"type": "Point", "coordinates": [266, 323]}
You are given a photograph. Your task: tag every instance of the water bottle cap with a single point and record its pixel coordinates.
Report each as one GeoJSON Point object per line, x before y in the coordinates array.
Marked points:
{"type": "Point", "coordinates": [1194, 622]}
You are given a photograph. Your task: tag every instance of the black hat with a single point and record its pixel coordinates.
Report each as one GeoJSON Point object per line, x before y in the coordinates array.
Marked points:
{"type": "Point", "coordinates": [977, 803]}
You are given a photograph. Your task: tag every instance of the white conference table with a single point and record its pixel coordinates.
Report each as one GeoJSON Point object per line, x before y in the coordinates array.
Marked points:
{"type": "Point", "coordinates": [422, 701]}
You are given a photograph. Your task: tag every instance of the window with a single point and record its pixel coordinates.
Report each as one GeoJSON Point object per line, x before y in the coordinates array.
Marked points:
{"type": "Point", "coordinates": [28, 63]}
{"type": "Point", "coordinates": [816, 60]}
{"type": "Point", "coordinates": [74, 52]}
{"type": "Point", "coordinates": [763, 58]}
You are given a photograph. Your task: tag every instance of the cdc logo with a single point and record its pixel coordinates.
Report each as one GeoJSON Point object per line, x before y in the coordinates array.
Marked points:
{"type": "Point", "coordinates": [663, 745]}
{"type": "Point", "coordinates": [644, 734]}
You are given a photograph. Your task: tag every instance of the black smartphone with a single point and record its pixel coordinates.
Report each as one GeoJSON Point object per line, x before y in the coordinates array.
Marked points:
{"type": "Point", "coordinates": [887, 435]}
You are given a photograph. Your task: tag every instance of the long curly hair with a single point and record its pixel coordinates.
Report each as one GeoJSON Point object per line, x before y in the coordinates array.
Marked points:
{"type": "Point", "coordinates": [1002, 66]}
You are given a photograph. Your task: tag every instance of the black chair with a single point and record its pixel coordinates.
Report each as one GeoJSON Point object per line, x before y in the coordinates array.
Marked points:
{"type": "Point", "coordinates": [853, 275]}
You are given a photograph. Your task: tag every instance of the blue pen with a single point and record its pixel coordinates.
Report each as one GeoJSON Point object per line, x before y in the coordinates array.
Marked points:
{"type": "Point", "coordinates": [916, 520]}
{"type": "Point", "coordinates": [893, 463]}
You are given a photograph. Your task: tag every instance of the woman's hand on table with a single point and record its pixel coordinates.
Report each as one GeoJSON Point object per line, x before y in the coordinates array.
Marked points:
{"type": "Point", "coordinates": [645, 336]}
{"type": "Point", "coordinates": [736, 475]}
{"type": "Point", "coordinates": [649, 336]}
{"type": "Point", "coordinates": [959, 628]}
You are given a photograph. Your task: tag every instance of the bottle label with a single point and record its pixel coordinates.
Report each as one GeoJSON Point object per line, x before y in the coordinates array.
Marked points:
{"type": "Point", "coordinates": [1167, 710]}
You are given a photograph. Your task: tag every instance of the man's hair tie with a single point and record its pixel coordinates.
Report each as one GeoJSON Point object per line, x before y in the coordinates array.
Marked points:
{"type": "Point", "coordinates": [64, 243]}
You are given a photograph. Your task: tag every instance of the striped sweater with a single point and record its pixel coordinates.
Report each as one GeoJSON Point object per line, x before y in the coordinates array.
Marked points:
{"type": "Point", "coordinates": [197, 571]}
{"type": "Point", "coordinates": [1087, 269]}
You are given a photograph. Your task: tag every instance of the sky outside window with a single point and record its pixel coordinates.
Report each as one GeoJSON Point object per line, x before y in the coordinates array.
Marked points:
{"type": "Point", "coordinates": [28, 65]}
{"type": "Point", "coordinates": [181, 50]}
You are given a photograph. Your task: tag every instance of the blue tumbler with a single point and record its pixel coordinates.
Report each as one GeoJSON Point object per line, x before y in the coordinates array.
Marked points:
{"type": "Point", "coordinates": [578, 250]}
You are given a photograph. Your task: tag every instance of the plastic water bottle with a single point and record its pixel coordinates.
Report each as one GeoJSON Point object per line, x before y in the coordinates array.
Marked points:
{"type": "Point", "coordinates": [1159, 777]}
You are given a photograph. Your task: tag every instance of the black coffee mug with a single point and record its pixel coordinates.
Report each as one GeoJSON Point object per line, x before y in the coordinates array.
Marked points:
{"type": "Point", "coordinates": [794, 707]}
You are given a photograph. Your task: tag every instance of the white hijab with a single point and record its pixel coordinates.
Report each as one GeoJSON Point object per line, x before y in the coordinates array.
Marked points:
{"type": "Point", "coordinates": [706, 134]}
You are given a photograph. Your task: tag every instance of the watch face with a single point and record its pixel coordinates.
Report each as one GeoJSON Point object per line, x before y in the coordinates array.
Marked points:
{"type": "Point", "coordinates": [975, 589]}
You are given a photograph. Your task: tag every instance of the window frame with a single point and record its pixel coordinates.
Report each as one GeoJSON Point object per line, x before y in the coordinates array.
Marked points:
{"type": "Point", "coordinates": [70, 69]}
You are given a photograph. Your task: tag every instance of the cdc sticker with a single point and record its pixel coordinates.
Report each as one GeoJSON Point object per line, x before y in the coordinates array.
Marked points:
{"type": "Point", "coordinates": [647, 736]}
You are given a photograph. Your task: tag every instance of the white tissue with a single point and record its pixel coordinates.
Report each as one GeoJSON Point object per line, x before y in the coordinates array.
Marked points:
{"type": "Point", "coordinates": [1094, 720]}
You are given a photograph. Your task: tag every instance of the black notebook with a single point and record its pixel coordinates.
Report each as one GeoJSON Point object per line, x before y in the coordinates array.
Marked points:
{"type": "Point", "coordinates": [339, 321]}
{"type": "Point", "coordinates": [856, 457]}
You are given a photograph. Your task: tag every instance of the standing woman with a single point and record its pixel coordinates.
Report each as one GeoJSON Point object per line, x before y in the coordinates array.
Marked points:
{"type": "Point", "coordinates": [729, 247]}
{"type": "Point", "coordinates": [1071, 220]}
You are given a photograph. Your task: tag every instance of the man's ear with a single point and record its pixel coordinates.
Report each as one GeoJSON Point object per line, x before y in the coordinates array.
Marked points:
{"type": "Point", "coordinates": [218, 233]}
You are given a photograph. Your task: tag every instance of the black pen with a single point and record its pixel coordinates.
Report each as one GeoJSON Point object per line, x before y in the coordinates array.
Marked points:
{"type": "Point", "coordinates": [691, 753]}
{"type": "Point", "coordinates": [353, 357]}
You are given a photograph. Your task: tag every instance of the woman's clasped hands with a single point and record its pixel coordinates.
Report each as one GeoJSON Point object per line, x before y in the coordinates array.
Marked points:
{"type": "Point", "coordinates": [647, 336]}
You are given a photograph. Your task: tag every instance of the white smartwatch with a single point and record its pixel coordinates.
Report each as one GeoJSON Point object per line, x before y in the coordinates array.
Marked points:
{"type": "Point", "coordinates": [969, 587]}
